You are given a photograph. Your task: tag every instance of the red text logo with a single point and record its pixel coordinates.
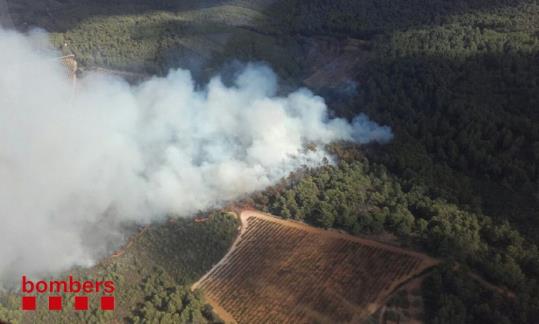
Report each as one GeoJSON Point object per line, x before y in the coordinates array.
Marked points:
{"type": "Point", "coordinates": [78, 288]}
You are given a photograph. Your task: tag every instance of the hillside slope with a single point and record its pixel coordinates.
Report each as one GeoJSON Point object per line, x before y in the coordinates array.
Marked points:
{"type": "Point", "coordinates": [457, 81]}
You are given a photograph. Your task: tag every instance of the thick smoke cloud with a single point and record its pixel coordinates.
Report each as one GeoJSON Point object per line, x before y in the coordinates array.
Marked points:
{"type": "Point", "coordinates": [75, 164]}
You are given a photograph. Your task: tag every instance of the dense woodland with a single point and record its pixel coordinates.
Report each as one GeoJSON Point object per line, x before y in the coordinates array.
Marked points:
{"type": "Point", "coordinates": [460, 88]}
{"type": "Point", "coordinates": [451, 297]}
{"type": "Point", "coordinates": [458, 83]}
{"type": "Point", "coordinates": [363, 198]}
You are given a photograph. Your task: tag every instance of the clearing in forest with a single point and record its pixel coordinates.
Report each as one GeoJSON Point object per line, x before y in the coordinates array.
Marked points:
{"type": "Point", "coordinates": [280, 271]}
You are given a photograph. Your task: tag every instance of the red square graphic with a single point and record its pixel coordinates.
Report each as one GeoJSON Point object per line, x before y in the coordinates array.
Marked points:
{"type": "Point", "coordinates": [28, 302]}
{"type": "Point", "coordinates": [107, 302]}
{"type": "Point", "coordinates": [81, 302]}
{"type": "Point", "coordinates": [55, 302]}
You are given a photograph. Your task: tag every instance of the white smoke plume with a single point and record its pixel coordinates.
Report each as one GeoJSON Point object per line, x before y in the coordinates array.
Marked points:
{"type": "Point", "coordinates": [75, 165]}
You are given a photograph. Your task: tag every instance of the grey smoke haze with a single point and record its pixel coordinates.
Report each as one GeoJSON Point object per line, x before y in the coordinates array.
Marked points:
{"type": "Point", "coordinates": [73, 166]}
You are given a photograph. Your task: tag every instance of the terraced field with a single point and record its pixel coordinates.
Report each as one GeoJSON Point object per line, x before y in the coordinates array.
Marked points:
{"type": "Point", "coordinates": [286, 272]}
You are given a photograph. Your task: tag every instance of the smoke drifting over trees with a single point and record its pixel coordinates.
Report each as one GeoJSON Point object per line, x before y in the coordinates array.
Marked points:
{"type": "Point", "coordinates": [76, 164]}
